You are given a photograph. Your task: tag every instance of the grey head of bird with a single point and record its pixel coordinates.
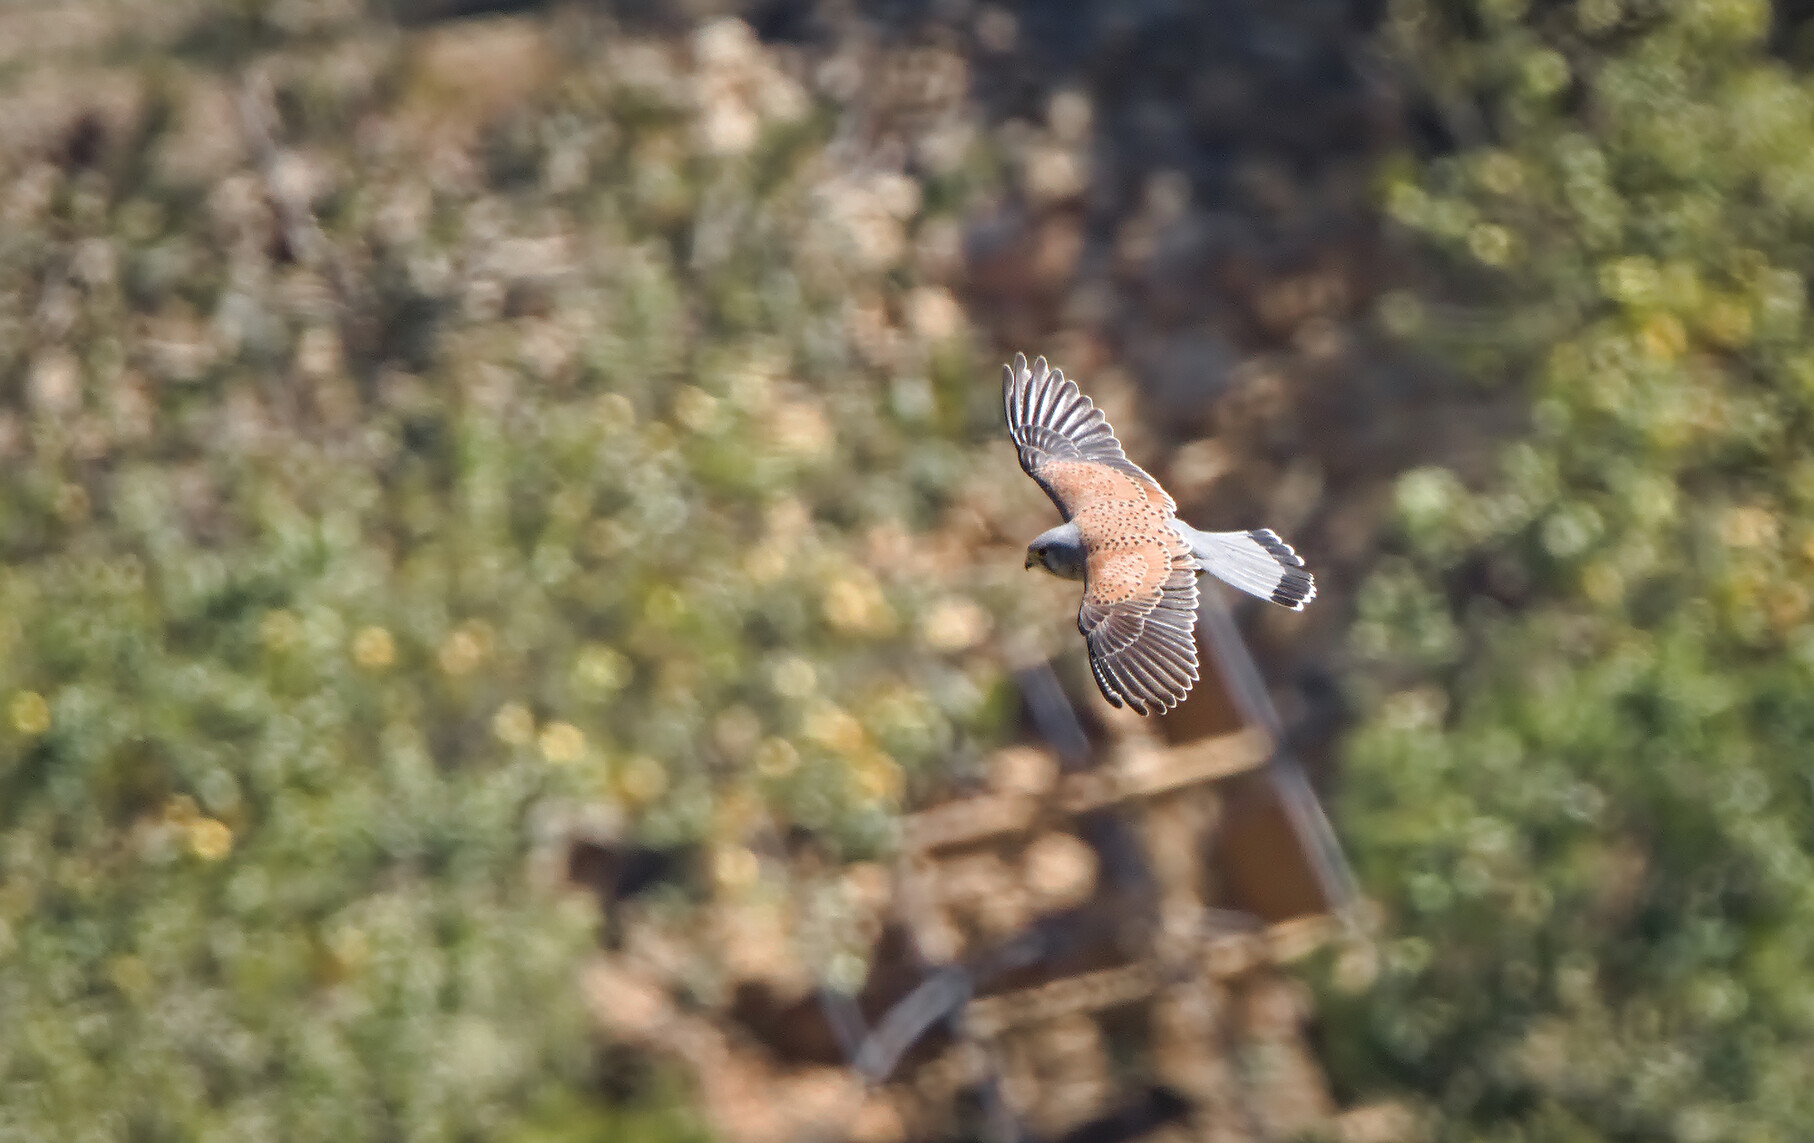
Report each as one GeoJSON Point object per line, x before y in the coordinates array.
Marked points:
{"type": "Point", "coordinates": [1060, 551]}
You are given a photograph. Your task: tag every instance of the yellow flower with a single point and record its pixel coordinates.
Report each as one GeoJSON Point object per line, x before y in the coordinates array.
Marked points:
{"type": "Point", "coordinates": [1633, 280]}
{"type": "Point", "coordinates": [834, 727]}
{"type": "Point", "coordinates": [279, 629]}
{"type": "Point", "coordinates": [856, 604]}
{"type": "Point", "coordinates": [181, 811]}
{"type": "Point", "coordinates": [1489, 243]}
{"type": "Point", "coordinates": [735, 867]}
{"type": "Point", "coordinates": [1748, 527]}
{"type": "Point", "coordinates": [1500, 173]}
{"type": "Point", "coordinates": [954, 625]}
{"type": "Point", "coordinates": [600, 669]}
{"type": "Point", "coordinates": [614, 410]}
{"type": "Point", "coordinates": [30, 713]}
{"type": "Point", "coordinates": [765, 563]}
{"type": "Point", "coordinates": [696, 409]}
{"type": "Point", "coordinates": [374, 649]}
{"type": "Point", "coordinates": [210, 839]}
{"type": "Point", "coordinates": [513, 724]}
{"type": "Point", "coordinates": [129, 975]}
{"type": "Point", "coordinates": [562, 742]}
{"type": "Point", "coordinates": [1664, 338]}
{"type": "Point", "coordinates": [642, 780]}
{"type": "Point", "coordinates": [1603, 584]}
{"type": "Point", "coordinates": [1727, 321]}
{"type": "Point", "coordinates": [776, 758]}
{"type": "Point", "coordinates": [801, 429]}
{"type": "Point", "coordinates": [464, 648]}
{"type": "Point", "coordinates": [736, 731]}
{"type": "Point", "coordinates": [736, 813]}
{"type": "Point", "coordinates": [793, 677]}
{"type": "Point", "coordinates": [878, 776]}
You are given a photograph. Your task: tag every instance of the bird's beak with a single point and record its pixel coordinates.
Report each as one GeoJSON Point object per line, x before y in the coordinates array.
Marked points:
{"type": "Point", "coordinates": [1032, 560]}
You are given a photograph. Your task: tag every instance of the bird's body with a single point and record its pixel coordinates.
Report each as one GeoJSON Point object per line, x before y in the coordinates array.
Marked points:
{"type": "Point", "coordinates": [1137, 561]}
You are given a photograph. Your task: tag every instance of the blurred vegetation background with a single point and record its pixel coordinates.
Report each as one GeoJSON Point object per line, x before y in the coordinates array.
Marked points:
{"type": "Point", "coordinates": [430, 428]}
{"type": "Point", "coordinates": [1582, 788]}
{"type": "Point", "coordinates": [415, 440]}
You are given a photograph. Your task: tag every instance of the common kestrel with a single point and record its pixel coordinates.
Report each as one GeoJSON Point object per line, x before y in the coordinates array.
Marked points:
{"type": "Point", "coordinates": [1121, 537]}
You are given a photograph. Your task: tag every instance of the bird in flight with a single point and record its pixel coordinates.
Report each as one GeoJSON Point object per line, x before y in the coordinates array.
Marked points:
{"type": "Point", "coordinates": [1121, 537]}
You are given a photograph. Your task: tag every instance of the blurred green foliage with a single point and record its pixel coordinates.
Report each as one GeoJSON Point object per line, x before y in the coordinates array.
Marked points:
{"type": "Point", "coordinates": [603, 448]}
{"type": "Point", "coordinates": [1583, 790]}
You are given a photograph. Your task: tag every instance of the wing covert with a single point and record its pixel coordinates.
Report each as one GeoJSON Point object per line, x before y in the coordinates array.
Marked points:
{"type": "Point", "coordinates": [1140, 627]}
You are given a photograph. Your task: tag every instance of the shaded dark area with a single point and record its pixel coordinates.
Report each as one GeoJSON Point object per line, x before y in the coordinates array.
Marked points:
{"type": "Point", "coordinates": [1162, 877]}
{"type": "Point", "coordinates": [1147, 1113]}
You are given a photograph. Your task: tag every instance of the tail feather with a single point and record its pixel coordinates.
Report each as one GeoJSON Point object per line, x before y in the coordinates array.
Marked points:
{"type": "Point", "coordinates": [1257, 562]}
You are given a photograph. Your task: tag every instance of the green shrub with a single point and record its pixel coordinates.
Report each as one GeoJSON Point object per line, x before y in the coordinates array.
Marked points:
{"type": "Point", "coordinates": [590, 458]}
{"type": "Point", "coordinates": [1582, 790]}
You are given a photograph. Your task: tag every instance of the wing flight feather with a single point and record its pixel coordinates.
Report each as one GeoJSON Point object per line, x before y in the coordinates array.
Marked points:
{"type": "Point", "coordinates": [1052, 422]}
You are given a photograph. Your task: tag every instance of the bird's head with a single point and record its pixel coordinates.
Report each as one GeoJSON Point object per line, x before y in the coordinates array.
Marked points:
{"type": "Point", "coordinates": [1059, 551]}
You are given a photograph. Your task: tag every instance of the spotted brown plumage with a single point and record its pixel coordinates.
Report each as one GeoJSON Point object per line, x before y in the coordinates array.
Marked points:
{"type": "Point", "coordinates": [1140, 581]}
{"type": "Point", "coordinates": [1138, 562]}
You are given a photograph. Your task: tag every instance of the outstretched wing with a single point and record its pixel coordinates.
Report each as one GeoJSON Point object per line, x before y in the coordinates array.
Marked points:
{"type": "Point", "coordinates": [1064, 441]}
{"type": "Point", "coordinates": [1139, 616]}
